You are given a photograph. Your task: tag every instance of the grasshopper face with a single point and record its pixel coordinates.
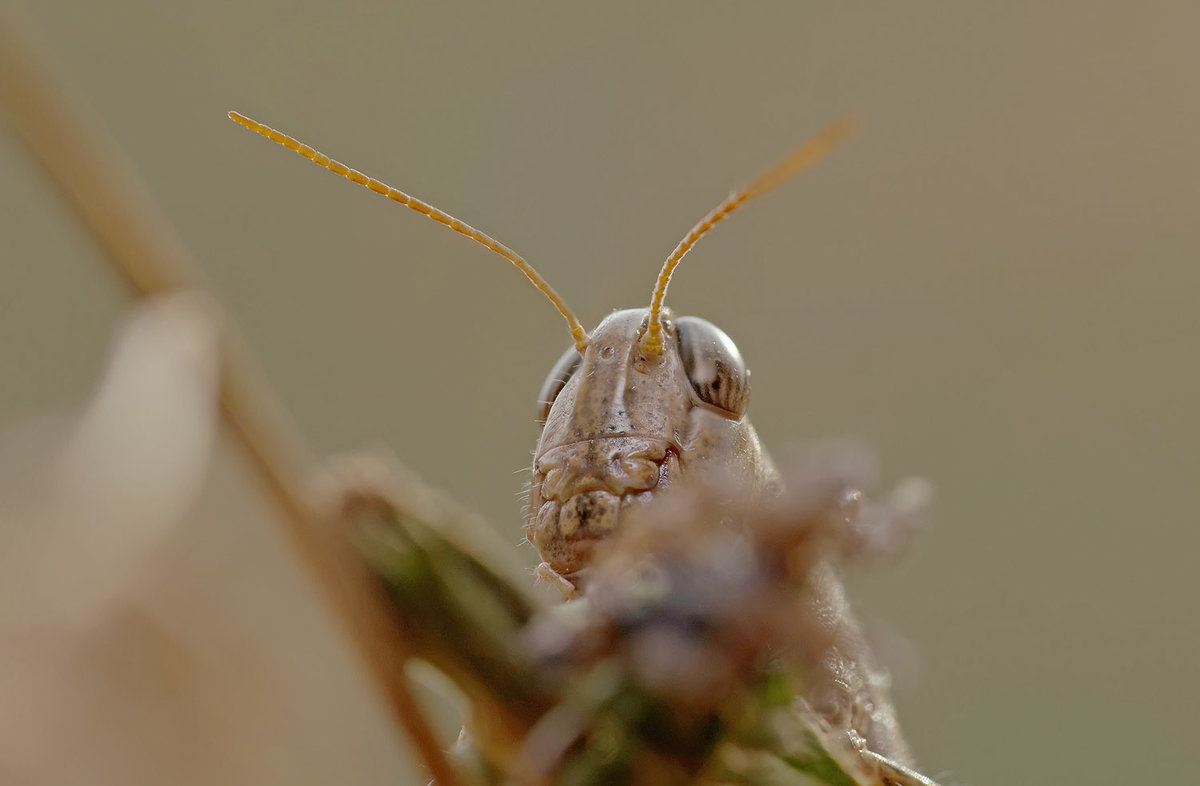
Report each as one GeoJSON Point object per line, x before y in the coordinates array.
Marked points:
{"type": "Point", "coordinates": [621, 427]}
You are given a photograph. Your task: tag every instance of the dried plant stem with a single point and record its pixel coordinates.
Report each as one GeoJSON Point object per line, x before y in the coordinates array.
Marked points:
{"type": "Point", "coordinates": [102, 187]}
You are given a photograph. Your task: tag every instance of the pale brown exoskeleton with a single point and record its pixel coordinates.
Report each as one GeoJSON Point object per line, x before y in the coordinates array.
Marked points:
{"type": "Point", "coordinates": [643, 401]}
{"type": "Point", "coordinates": [621, 423]}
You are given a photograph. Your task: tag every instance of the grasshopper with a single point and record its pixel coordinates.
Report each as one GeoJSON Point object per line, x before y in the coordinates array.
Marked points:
{"type": "Point", "coordinates": [645, 400]}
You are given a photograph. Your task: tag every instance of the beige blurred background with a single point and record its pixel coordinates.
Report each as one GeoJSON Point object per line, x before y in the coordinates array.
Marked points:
{"type": "Point", "coordinates": [995, 286]}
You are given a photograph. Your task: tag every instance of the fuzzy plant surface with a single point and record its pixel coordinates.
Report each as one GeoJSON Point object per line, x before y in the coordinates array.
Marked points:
{"type": "Point", "coordinates": [682, 663]}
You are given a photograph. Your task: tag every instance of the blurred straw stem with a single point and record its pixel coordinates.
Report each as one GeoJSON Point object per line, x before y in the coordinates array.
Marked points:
{"type": "Point", "coordinates": [112, 202]}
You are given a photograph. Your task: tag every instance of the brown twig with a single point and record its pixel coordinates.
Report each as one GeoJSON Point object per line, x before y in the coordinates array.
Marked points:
{"type": "Point", "coordinates": [113, 203]}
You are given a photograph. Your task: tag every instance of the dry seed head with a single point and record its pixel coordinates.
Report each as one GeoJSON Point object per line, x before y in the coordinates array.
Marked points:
{"type": "Point", "coordinates": [578, 334]}
{"type": "Point", "coordinates": [804, 156]}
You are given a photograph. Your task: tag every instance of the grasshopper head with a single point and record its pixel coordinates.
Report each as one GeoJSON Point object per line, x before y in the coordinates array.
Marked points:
{"type": "Point", "coordinates": [621, 425]}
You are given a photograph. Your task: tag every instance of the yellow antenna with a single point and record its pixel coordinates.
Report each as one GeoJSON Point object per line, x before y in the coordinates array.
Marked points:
{"type": "Point", "coordinates": [799, 159]}
{"type": "Point", "coordinates": [578, 334]}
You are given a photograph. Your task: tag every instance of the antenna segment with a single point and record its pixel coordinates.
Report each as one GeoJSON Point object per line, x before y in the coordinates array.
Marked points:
{"type": "Point", "coordinates": [804, 156]}
{"type": "Point", "coordinates": [578, 334]}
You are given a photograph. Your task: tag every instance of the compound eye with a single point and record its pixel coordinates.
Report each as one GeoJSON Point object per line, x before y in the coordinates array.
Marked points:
{"type": "Point", "coordinates": [556, 381]}
{"type": "Point", "coordinates": [713, 366]}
